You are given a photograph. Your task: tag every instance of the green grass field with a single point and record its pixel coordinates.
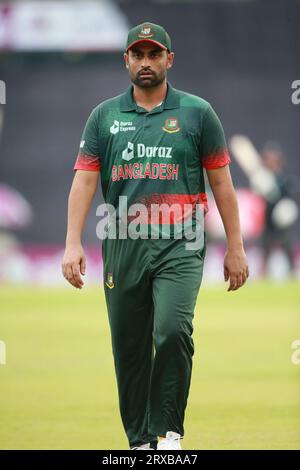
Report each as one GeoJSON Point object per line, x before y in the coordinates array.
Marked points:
{"type": "Point", "coordinates": [58, 387]}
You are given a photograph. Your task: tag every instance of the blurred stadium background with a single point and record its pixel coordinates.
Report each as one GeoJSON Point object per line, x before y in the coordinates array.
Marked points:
{"type": "Point", "coordinates": [58, 59]}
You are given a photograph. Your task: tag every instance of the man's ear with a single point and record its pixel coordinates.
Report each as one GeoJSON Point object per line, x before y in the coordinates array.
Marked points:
{"type": "Point", "coordinates": [126, 59]}
{"type": "Point", "coordinates": [170, 60]}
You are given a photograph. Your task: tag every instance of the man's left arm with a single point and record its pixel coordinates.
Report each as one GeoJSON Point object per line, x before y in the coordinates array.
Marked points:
{"type": "Point", "coordinates": [235, 261]}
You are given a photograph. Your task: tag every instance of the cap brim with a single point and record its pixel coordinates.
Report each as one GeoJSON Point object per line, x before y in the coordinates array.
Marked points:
{"type": "Point", "coordinates": [147, 40]}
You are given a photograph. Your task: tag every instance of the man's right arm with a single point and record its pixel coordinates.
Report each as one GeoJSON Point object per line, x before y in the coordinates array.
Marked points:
{"type": "Point", "coordinates": [81, 196]}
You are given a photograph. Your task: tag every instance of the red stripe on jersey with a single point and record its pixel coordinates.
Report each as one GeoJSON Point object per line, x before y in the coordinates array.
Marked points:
{"type": "Point", "coordinates": [165, 201]}
{"type": "Point", "coordinates": [217, 160]}
{"type": "Point", "coordinates": [87, 162]}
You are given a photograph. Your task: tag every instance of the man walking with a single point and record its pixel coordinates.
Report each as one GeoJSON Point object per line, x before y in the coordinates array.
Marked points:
{"type": "Point", "coordinates": [151, 145]}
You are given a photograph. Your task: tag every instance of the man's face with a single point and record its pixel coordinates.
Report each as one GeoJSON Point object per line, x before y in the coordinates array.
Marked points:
{"type": "Point", "coordinates": [148, 64]}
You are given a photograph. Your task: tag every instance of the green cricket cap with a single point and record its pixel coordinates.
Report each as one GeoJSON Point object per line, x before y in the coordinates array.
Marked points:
{"type": "Point", "coordinates": [149, 32]}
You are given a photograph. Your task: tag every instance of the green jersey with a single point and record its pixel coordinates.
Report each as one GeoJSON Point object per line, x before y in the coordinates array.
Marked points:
{"type": "Point", "coordinates": [154, 157]}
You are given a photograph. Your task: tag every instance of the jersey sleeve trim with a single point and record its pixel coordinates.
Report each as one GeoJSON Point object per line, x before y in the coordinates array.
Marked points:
{"type": "Point", "coordinates": [214, 161]}
{"type": "Point", "coordinates": [87, 162]}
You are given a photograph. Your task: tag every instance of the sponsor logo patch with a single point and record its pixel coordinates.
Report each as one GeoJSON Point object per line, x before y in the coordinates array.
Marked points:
{"type": "Point", "coordinates": [121, 126]}
{"type": "Point", "coordinates": [128, 153]}
{"type": "Point", "coordinates": [141, 151]}
{"type": "Point", "coordinates": [114, 129]}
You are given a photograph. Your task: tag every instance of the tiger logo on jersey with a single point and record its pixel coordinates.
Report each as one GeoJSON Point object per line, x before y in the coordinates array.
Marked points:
{"type": "Point", "coordinates": [110, 281]}
{"type": "Point", "coordinates": [171, 125]}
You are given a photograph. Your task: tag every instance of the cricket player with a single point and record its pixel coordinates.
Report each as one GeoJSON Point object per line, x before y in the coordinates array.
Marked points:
{"type": "Point", "coordinates": [150, 145]}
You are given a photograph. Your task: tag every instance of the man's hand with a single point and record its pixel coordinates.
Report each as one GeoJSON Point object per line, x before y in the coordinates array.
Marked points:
{"type": "Point", "coordinates": [235, 268]}
{"type": "Point", "coordinates": [74, 264]}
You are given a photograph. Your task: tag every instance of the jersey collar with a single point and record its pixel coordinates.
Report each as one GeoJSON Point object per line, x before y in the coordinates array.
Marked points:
{"type": "Point", "coordinates": [171, 101]}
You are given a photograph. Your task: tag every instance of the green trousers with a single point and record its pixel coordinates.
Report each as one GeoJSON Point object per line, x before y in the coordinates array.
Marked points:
{"type": "Point", "coordinates": [151, 288]}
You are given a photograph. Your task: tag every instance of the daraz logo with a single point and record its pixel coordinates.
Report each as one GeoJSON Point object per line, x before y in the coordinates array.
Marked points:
{"type": "Point", "coordinates": [114, 129]}
{"type": "Point", "coordinates": [122, 126]}
{"type": "Point", "coordinates": [143, 151]}
{"type": "Point", "coordinates": [128, 153]}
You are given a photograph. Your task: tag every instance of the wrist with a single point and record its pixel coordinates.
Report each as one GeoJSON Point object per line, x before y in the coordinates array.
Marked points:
{"type": "Point", "coordinates": [71, 241]}
{"type": "Point", "coordinates": [236, 246]}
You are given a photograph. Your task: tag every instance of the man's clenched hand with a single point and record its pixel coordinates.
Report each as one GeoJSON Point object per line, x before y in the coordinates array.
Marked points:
{"type": "Point", "coordinates": [235, 268]}
{"type": "Point", "coordinates": [74, 264]}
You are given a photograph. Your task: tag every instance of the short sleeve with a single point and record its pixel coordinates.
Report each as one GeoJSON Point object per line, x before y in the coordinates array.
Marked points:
{"type": "Point", "coordinates": [88, 157]}
{"type": "Point", "coordinates": [213, 148]}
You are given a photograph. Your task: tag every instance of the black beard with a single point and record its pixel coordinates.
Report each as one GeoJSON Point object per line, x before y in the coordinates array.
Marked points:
{"type": "Point", "coordinates": [150, 82]}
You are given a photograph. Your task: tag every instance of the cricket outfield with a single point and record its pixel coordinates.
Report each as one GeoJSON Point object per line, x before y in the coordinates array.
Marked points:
{"type": "Point", "coordinates": [58, 388]}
